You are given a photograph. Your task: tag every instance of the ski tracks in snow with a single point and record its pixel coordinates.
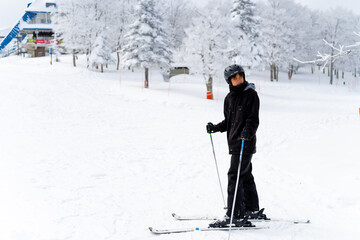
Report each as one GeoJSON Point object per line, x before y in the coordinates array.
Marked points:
{"type": "Point", "coordinates": [95, 160]}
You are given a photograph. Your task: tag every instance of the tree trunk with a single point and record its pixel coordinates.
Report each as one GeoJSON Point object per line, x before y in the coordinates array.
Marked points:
{"type": "Point", "coordinates": [276, 73]}
{"type": "Point", "coordinates": [323, 70]}
{"type": "Point", "coordinates": [146, 77]}
{"type": "Point", "coordinates": [209, 88]}
{"type": "Point", "coordinates": [355, 72]}
{"type": "Point", "coordinates": [343, 74]}
{"type": "Point", "coordinates": [332, 66]}
{"type": "Point", "coordinates": [102, 68]}
{"type": "Point", "coordinates": [87, 58]}
{"type": "Point", "coordinates": [74, 58]}
{"type": "Point", "coordinates": [271, 73]}
{"type": "Point", "coordinates": [118, 60]}
{"type": "Point", "coordinates": [337, 74]}
{"type": "Point", "coordinates": [331, 71]}
{"type": "Point", "coordinates": [291, 71]}
{"type": "Point", "coordinates": [312, 69]}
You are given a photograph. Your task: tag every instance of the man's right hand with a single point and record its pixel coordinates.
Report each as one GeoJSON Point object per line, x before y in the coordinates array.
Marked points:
{"type": "Point", "coordinates": [211, 128]}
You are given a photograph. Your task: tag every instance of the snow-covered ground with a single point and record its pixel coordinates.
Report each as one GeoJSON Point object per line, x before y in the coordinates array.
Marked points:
{"type": "Point", "coordinates": [86, 155]}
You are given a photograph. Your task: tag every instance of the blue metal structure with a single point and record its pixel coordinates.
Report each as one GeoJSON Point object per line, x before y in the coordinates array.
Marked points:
{"type": "Point", "coordinates": [28, 16]}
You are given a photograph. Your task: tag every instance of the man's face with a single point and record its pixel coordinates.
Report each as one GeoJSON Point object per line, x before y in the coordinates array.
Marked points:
{"type": "Point", "coordinates": [237, 79]}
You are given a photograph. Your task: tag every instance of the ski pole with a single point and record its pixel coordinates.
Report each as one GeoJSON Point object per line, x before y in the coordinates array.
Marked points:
{"type": "Point", "coordinates": [236, 187]}
{"type": "Point", "coordinates": [217, 170]}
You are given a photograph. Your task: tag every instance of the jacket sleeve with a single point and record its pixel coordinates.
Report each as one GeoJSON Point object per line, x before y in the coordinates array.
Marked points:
{"type": "Point", "coordinates": [252, 121]}
{"type": "Point", "coordinates": [222, 126]}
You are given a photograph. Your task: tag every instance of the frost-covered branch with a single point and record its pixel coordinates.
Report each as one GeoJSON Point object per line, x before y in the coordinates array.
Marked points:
{"type": "Point", "coordinates": [341, 51]}
{"type": "Point", "coordinates": [325, 58]}
{"type": "Point", "coordinates": [356, 44]}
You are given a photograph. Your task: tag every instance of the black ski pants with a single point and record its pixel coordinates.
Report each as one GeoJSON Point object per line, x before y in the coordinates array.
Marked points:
{"type": "Point", "coordinates": [247, 197]}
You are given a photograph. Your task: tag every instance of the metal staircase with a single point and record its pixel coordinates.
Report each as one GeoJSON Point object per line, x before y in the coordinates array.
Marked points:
{"type": "Point", "coordinates": [28, 16]}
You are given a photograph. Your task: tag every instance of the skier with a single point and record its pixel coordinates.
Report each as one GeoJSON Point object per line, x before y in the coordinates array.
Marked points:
{"type": "Point", "coordinates": [241, 110]}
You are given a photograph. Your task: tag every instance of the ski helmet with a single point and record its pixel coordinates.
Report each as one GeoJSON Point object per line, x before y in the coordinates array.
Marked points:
{"type": "Point", "coordinates": [231, 71]}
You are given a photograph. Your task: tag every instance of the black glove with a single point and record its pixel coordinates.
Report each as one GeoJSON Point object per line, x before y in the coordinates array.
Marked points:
{"type": "Point", "coordinates": [211, 128]}
{"type": "Point", "coordinates": [245, 135]}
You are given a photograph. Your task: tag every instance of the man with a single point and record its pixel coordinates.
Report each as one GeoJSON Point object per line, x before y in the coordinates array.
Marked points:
{"type": "Point", "coordinates": [241, 110]}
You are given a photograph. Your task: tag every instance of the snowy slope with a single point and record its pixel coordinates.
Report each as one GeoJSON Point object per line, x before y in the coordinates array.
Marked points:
{"type": "Point", "coordinates": [86, 155]}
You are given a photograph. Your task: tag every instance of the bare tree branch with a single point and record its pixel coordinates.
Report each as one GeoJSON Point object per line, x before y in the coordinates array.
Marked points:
{"type": "Point", "coordinates": [325, 58]}
{"type": "Point", "coordinates": [356, 44]}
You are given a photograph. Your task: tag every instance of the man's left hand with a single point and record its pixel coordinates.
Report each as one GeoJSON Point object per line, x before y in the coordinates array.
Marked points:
{"type": "Point", "coordinates": [245, 135]}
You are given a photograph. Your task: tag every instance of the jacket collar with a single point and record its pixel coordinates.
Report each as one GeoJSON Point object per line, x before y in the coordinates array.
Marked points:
{"type": "Point", "coordinates": [238, 89]}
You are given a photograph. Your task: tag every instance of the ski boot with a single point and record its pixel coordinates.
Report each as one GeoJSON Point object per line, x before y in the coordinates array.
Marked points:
{"type": "Point", "coordinates": [225, 222]}
{"type": "Point", "coordinates": [256, 215]}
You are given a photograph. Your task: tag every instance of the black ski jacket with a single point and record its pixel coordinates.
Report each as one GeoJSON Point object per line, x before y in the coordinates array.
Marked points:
{"type": "Point", "coordinates": [241, 111]}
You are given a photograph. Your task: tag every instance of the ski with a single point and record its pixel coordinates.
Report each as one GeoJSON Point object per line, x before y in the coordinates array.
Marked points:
{"type": "Point", "coordinates": [183, 230]}
{"type": "Point", "coordinates": [190, 218]}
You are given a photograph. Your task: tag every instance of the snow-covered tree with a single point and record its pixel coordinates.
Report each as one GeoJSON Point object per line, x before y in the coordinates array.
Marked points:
{"type": "Point", "coordinates": [245, 33]}
{"type": "Point", "coordinates": [238, 50]}
{"type": "Point", "coordinates": [146, 42]}
{"type": "Point", "coordinates": [205, 46]}
{"type": "Point", "coordinates": [81, 22]}
{"type": "Point", "coordinates": [311, 40]}
{"type": "Point", "coordinates": [101, 53]}
{"type": "Point", "coordinates": [70, 28]}
{"type": "Point", "coordinates": [336, 30]}
{"type": "Point", "coordinates": [121, 16]}
{"type": "Point", "coordinates": [277, 36]}
{"type": "Point", "coordinates": [339, 49]}
{"type": "Point", "coordinates": [243, 14]}
{"type": "Point", "coordinates": [178, 14]}
{"type": "Point", "coordinates": [303, 29]}
{"type": "Point", "coordinates": [353, 61]}
{"type": "Point", "coordinates": [220, 7]}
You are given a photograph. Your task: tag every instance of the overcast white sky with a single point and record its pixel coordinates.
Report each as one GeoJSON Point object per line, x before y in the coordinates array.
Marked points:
{"type": "Point", "coordinates": [353, 5]}
{"type": "Point", "coordinates": [12, 10]}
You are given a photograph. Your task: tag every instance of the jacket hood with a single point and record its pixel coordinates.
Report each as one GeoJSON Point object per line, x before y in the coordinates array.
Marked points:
{"type": "Point", "coordinates": [250, 86]}
{"type": "Point", "coordinates": [241, 88]}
